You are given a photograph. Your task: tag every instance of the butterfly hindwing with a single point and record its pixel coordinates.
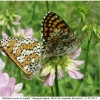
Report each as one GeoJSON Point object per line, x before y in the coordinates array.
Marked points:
{"type": "Point", "coordinates": [58, 38]}
{"type": "Point", "coordinates": [24, 52]}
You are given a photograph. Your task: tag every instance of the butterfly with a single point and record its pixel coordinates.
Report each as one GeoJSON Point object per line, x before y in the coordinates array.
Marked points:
{"type": "Point", "coordinates": [58, 38]}
{"type": "Point", "coordinates": [25, 52]}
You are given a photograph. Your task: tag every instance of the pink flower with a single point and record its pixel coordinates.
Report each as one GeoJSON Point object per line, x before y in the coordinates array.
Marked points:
{"type": "Point", "coordinates": [4, 35]}
{"type": "Point", "coordinates": [2, 64]}
{"type": "Point", "coordinates": [72, 69]}
{"type": "Point", "coordinates": [75, 54]}
{"type": "Point", "coordinates": [16, 21]}
{"type": "Point", "coordinates": [60, 72]}
{"type": "Point", "coordinates": [69, 64]}
{"type": "Point", "coordinates": [49, 79]}
{"type": "Point", "coordinates": [46, 70]}
{"type": "Point", "coordinates": [72, 66]}
{"type": "Point", "coordinates": [8, 87]}
{"type": "Point", "coordinates": [26, 33]}
{"type": "Point", "coordinates": [49, 74]}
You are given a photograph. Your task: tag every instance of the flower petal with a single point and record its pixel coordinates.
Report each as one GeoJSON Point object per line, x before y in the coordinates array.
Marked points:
{"type": "Point", "coordinates": [49, 80]}
{"type": "Point", "coordinates": [28, 32]}
{"type": "Point", "coordinates": [7, 86]}
{"type": "Point", "coordinates": [6, 77]}
{"type": "Point", "coordinates": [2, 79]}
{"type": "Point", "coordinates": [11, 83]}
{"type": "Point", "coordinates": [2, 91]}
{"type": "Point", "coordinates": [18, 18]}
{"type": "Point", "coordinates": [46, 80]}
{"type": "Point", "coordinates": [75, 74]}
{"type": "Point", "coordinates": [4, 35]}
{"type": "Point", "coordinates": [2, 64]}
{"type": "Point", "coordinates": [18, 87]}
{"type": "Point", "coordinates": [16, 23]}
{"type": "Point", "coordinates": [77, 63]}
{"type": "Point", "coordinates": [20, 31]}
{"type": "Point", "coordinates": [75, 54]}
{"type": "Point", "coordinates": [46, 71]}
{"type": "Point", "coordinates": [60, 72]}
{"type": "Point", "coordinates": [7, 92]}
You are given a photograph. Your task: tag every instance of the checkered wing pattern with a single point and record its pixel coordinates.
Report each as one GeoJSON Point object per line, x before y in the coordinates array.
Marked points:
{"type": "Point", "coordinates": [58, 39]}
{"type": "Point", "coordinates": [25, 52]}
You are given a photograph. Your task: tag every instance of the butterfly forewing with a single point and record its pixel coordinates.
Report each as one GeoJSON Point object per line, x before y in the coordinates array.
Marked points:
{"type": "Point", "coordinates": [24, 52]}
{"type": "Point", "coordinates": [58, 38]}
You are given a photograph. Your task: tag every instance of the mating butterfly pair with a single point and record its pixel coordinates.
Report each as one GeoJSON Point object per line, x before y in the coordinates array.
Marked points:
{"type": "Point", "coordinates": [58, 39]}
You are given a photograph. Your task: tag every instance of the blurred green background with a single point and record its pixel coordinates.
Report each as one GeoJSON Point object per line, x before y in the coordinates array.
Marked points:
{"type": "Point", "coordinates": [32, 13]}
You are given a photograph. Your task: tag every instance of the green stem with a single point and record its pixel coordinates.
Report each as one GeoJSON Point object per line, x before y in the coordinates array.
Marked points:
{"type": "Point", "coordinates": [85, 68]}
{"type": "Point", "coordinates": [52, 91]}
{"type": "Point", "coordinates": [56, 82]}
{"type": "Point", "coordinates": [34, 7]}
{"type": "Point", "coordinates": [64, 85]}
{"type": "Point", "coordinates": [87, 56]}
{"type": "Point", "coordinates": [47, 4]}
